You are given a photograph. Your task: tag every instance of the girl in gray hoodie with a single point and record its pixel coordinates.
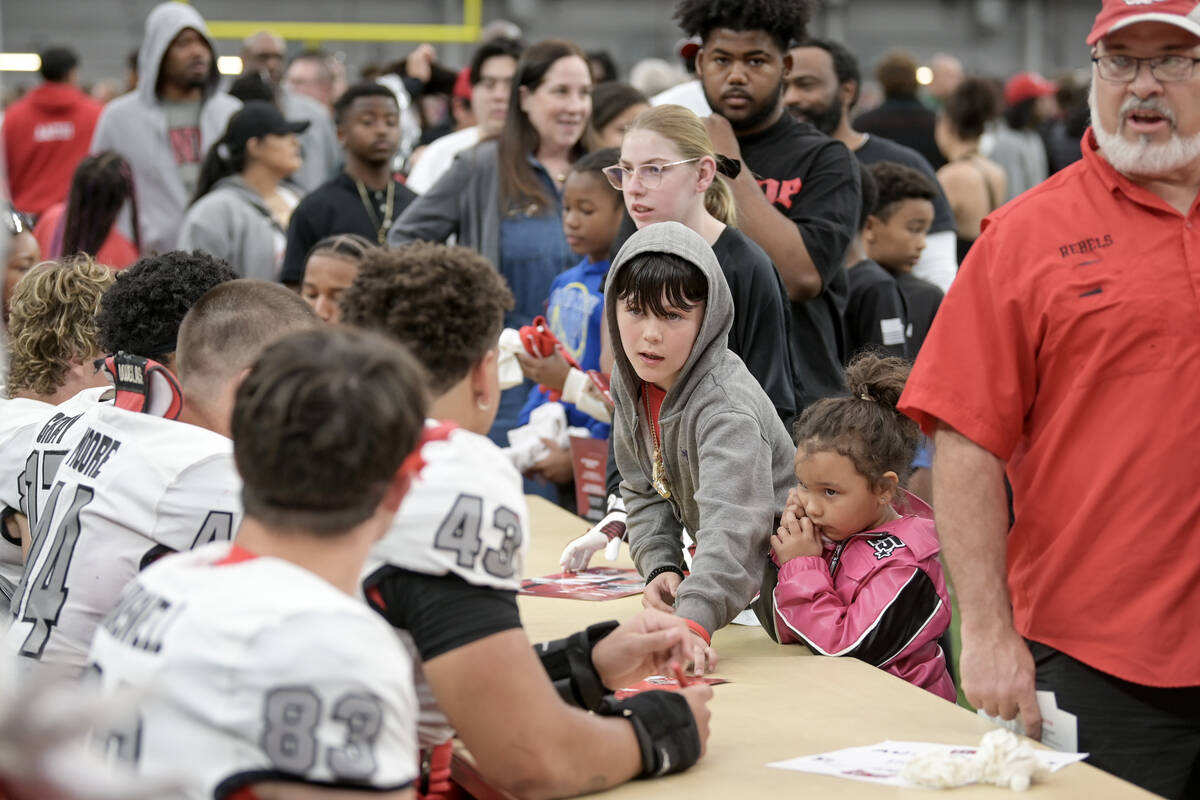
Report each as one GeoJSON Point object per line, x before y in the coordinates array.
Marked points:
{"type": "Point", "coordinates": [697, 441]}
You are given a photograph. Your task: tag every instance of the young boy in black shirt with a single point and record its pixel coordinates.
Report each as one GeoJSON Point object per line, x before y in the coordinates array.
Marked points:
{"type": "Point", "coordinates": [363, 199]}
{"type": "Point", "coordinates": [875, 318]}
{"type": "Point", "coordinates": [895, 236]}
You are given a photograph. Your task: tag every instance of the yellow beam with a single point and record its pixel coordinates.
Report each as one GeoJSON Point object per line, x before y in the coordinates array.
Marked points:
{"type": "Point", "coordinates": [358, 31]}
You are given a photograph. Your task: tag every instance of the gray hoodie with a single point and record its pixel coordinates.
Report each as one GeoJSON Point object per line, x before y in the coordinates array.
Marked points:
{"type": "Point", "coordinates": [727, 456]}
{"type": "Point", "coordinates": [135, 125]}
{"type": "Point", "coordinates": [233, 223]}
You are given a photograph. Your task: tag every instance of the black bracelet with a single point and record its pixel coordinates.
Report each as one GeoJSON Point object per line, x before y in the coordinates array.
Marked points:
{"type": "Point", "coordinates": [654, 573]}
{"type": "Point", "coordinates": [568, 662]}
{"type": "Point", "coordinates": [667, 735]}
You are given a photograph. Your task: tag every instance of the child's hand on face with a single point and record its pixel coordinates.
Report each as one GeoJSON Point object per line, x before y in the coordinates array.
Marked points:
{"type": "Point", "coordinates": [794, 503]}
{"type": "Point", "coordinates": [795, 538]}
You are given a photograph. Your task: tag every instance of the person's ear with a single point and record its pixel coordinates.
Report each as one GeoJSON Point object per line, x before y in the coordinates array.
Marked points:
{"type": "Point", "coordinates": [708, 173]}
{"type": "Point", "coordinates": [846, 92]}
{"type": "Point", "coordinates": [253, 146]}
{"type": "Point", "coordinates": [868, 231]}
{"type": "Point", "coordinates": [887, 487]}
{"type": "Point", "coordinates": [787, 63]}
{"type": "Point", "coordinates": [484, 381]}
{"type": "Point", "coordinates": [522, 97]}
{"type": "Point", "coordinates": [699, 64]}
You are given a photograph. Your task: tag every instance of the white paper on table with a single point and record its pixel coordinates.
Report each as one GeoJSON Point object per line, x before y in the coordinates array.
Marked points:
{"type": "Point", "coordinates": [882, 763]}
{"type": "Point", "coordinates": [747, 618]}
{"type": "Point", "coordinates": [1059, 728]}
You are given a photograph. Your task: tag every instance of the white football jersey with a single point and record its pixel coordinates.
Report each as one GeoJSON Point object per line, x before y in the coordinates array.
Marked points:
{"type": "Point", "coordinates": [27, 468]}
{"type": "Point", "coordinates": [464, 514]}
{"type": "Point", "coordinates": [20, 420]}
{"type": "Point", "coordinates": [132, 488]}
{"type": "Point", "coordinates": [57, 434]}
{"type": "Point", "coordinates": [249, 669]}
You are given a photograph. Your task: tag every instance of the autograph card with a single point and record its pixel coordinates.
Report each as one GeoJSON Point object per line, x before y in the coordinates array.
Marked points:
{"type": "Point", "coordinates": [598, 583]}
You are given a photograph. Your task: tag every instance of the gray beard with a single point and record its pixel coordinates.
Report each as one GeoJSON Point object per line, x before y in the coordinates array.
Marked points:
{"type": "Point", "coordinates": [1143, 158]}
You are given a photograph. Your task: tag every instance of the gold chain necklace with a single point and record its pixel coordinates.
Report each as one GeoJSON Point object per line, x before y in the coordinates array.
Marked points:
{"type": "Point", "coordinates": [658, 476]}
{"type": "Point", "coordinates": [382, 227]}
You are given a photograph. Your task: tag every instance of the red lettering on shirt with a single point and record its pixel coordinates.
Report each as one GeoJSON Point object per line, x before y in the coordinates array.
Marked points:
{"type": "Point", "coordinates": [789, 188]}
{"type": "Point", "coordinates": [780, 193]}
{"type": "Point", "coordinates": [770, 188]}
{"type": "Point", "coordinates": [185, 144]}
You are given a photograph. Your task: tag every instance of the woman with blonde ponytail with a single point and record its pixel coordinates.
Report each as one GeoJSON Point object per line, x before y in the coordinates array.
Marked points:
{"type": "Point", "coordinates": [668, 172]}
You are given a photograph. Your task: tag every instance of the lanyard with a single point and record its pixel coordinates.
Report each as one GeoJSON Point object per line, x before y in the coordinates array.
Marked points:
{"type": "Point", "coordinates": [381, 227]}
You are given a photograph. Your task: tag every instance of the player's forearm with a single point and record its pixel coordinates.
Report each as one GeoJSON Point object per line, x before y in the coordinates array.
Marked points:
{"type": "Point", "coordinates": [972, 521]}
{"type": "Point", "coordinates": [575, 753]}
{"type": "Point", "coordinates": [779, 237]}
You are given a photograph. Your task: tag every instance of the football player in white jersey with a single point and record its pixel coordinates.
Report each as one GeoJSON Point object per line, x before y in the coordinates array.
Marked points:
{"type": "Point", "coordinates": [138, 485]}
{"type": "Point", "coordinates": [53, 342]}
{"type": "Point", "coordinates": [446, 573]}
{"type": "Point", "coordinates": [261, 673]}
{"type": "Point", "coordinates": [139, 315]}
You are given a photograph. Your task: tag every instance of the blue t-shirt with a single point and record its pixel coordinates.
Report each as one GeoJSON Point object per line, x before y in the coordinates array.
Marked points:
{"type": "Point", "coordinates": [575, 313]}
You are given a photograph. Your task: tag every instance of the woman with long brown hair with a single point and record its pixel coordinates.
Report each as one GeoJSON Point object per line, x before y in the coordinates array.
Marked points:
{"type": "Point", "coordinates": [503, 198]}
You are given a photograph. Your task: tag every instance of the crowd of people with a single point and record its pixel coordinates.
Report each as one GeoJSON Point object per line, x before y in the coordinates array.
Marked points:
{"type": "Point", "coordinates": [284, 356]}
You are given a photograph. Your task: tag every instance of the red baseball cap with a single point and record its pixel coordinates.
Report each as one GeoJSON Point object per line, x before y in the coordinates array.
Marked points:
{"type": "Point", "coordinates": [1117, 14]}
{"type": "Point", "coordinates": [1025, 85]}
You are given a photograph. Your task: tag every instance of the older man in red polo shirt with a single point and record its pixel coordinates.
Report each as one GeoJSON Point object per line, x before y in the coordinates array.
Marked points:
{"type": "Point", "coordinates": [1068, 349]}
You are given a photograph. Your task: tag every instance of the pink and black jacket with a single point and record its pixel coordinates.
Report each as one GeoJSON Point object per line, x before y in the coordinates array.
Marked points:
{"type": "Point", "coordinates": [878, 596]}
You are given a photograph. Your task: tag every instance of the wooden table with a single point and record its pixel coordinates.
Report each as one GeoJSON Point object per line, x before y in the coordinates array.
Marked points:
{"type": "Point", "coordinates": [783, 702]}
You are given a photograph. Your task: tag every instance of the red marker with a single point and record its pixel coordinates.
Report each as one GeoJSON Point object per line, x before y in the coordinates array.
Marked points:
{"type": "Point", "coordinates": [683, 679]}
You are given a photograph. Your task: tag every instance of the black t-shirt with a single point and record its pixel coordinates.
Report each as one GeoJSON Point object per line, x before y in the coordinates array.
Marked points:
{"type": "Point", "coordinates": [874, 312]}
{"type": "Point", "coordinates": [760, 317]}
{"type": "Point", "coordinates": [336, 207]}
{"type": "Point", "coordinates": [879, 148]}
{"type": "Point", "coordinates": [813, 180]}
{"type": "Point", "coordinates": [440, 612]}
{"type": "Point", "coordinates": [921, 302]}
{"type": "Point", "coordinates": [905, 120]}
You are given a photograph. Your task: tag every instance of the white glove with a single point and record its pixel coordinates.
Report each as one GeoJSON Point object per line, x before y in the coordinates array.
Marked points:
{"type": "Point", "coordinates": [604, 535]}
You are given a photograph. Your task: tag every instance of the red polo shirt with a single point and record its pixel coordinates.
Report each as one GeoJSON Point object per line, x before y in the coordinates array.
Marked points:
{"type": "Point", "coordinates": [1069, 345]}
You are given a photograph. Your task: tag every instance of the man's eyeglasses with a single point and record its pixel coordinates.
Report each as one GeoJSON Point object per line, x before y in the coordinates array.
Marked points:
{"type": "Point", "coordinates": [1124, 69]}
{"type": "Point", "coordinates": [649, 174]}
{"type": "Point", "coordinates": [16, 222]}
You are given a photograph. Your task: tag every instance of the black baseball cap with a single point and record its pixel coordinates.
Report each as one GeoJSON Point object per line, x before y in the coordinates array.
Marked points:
{"type": "Point", "coordinates": [257, 118]}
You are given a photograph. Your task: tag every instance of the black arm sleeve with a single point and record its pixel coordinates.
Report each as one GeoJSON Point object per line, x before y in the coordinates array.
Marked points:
{"type": "Point", "coordinates": [440, 612]}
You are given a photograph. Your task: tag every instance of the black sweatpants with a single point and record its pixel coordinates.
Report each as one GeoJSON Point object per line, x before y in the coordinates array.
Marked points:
{"type": "Point", "coordinates": [1147, 735]}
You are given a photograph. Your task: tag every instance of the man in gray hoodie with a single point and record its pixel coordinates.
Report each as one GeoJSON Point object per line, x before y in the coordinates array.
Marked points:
{"type": "Point", "coordinates": [165, 126]}
{"type": "Point", "coordinates": [698, 443]}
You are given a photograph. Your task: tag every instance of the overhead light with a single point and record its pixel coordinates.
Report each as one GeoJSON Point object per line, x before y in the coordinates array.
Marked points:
{"type": "Point", "coordinates": [924, 76]}
{"type": "Point", "coordinates": [229, 65]}
{"type": "Point", "coordinates": [20, 62]}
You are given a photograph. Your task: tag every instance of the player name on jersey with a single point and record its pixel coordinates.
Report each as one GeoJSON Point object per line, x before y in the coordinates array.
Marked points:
{"type": "Point", "coordinates": [92, 452]}
{"type": "Point", "coordinates": [54, 429]}
{"type": "Point", "coordinates": [141, 619]}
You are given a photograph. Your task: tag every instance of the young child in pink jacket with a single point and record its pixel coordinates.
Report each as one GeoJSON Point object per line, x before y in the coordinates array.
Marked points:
{"type": "Point", "coordinates": [859, 573]}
